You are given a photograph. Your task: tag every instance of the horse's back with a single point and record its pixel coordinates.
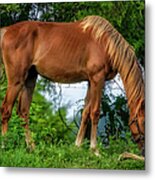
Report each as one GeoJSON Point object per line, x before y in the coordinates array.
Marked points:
{"type": "Point", "coordinates": [19, 35]}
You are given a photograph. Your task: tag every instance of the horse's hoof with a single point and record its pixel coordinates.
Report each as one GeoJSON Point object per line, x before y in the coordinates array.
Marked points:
{"type": "Point", "coordinates": [77, 145]}
{"type": "Point", "coordinates": [96, 152]}
{"type": "Point", "coordinates": [2, 145]}
{"type": "Point", "coordinates": [31, 147]}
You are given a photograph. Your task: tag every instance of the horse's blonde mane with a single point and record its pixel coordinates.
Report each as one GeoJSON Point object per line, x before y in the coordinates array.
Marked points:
{"type": "Point", "coordinates": [122, 56]}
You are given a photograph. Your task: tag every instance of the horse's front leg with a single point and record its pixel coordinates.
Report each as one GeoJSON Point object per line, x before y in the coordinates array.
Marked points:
{"type": "Point", "coordinates": [84, 121]}
{"type": "Point", "coordinates": [96, 92]}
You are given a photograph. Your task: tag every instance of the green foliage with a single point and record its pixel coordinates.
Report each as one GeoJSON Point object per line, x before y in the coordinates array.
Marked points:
{"type": "Point", "coordinates": [66, 155]}
{"type": "Point", "coordinates": [11, 13]}
{"type": "Point", "coordinates": [45, 124]}
{"type": "Point", "coordinates": [114, 115]}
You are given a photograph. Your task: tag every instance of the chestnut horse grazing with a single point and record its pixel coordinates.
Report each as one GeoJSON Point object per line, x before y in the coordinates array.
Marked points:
{"type": "Point", "coordinates": [89, 50]}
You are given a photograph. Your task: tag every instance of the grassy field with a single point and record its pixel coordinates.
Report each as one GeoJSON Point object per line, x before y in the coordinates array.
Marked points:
{"type": "Point", "coordinates": [68, 156]}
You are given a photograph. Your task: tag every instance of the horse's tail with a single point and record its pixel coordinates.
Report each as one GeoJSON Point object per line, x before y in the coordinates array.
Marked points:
{"type": "Point", "coordinates": [2, 32]}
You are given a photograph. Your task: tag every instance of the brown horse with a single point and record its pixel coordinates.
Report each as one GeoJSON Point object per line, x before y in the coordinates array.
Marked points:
{"type": "Point", "coordinates": [88, 50]}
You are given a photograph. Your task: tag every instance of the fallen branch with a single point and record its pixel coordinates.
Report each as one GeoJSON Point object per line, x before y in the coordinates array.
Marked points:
{"type": "Point", "coordinates": [127, 155]}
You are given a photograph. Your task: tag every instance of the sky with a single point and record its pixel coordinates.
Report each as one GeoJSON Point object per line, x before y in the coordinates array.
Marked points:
{"type": "Point", "coordinates": [73, 95]}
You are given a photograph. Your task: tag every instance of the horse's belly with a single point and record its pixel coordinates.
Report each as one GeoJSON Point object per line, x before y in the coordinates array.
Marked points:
{"type": "Point", "coordinates": [65, 75]}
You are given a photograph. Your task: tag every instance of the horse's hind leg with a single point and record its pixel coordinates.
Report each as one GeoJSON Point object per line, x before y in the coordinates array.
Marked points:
{"type": "Point", "coordinates": [8, 102]}
{"type": "Point", "coordinates": [25, 98]}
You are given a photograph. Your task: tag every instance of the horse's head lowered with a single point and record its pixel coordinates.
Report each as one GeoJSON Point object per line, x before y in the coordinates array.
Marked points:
{"type": "Point", "coordinates": [137, 126]}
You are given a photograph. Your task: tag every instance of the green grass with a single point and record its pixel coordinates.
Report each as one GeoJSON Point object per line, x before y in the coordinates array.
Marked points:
{"type": "Point", "coordinates": [68, 156]}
